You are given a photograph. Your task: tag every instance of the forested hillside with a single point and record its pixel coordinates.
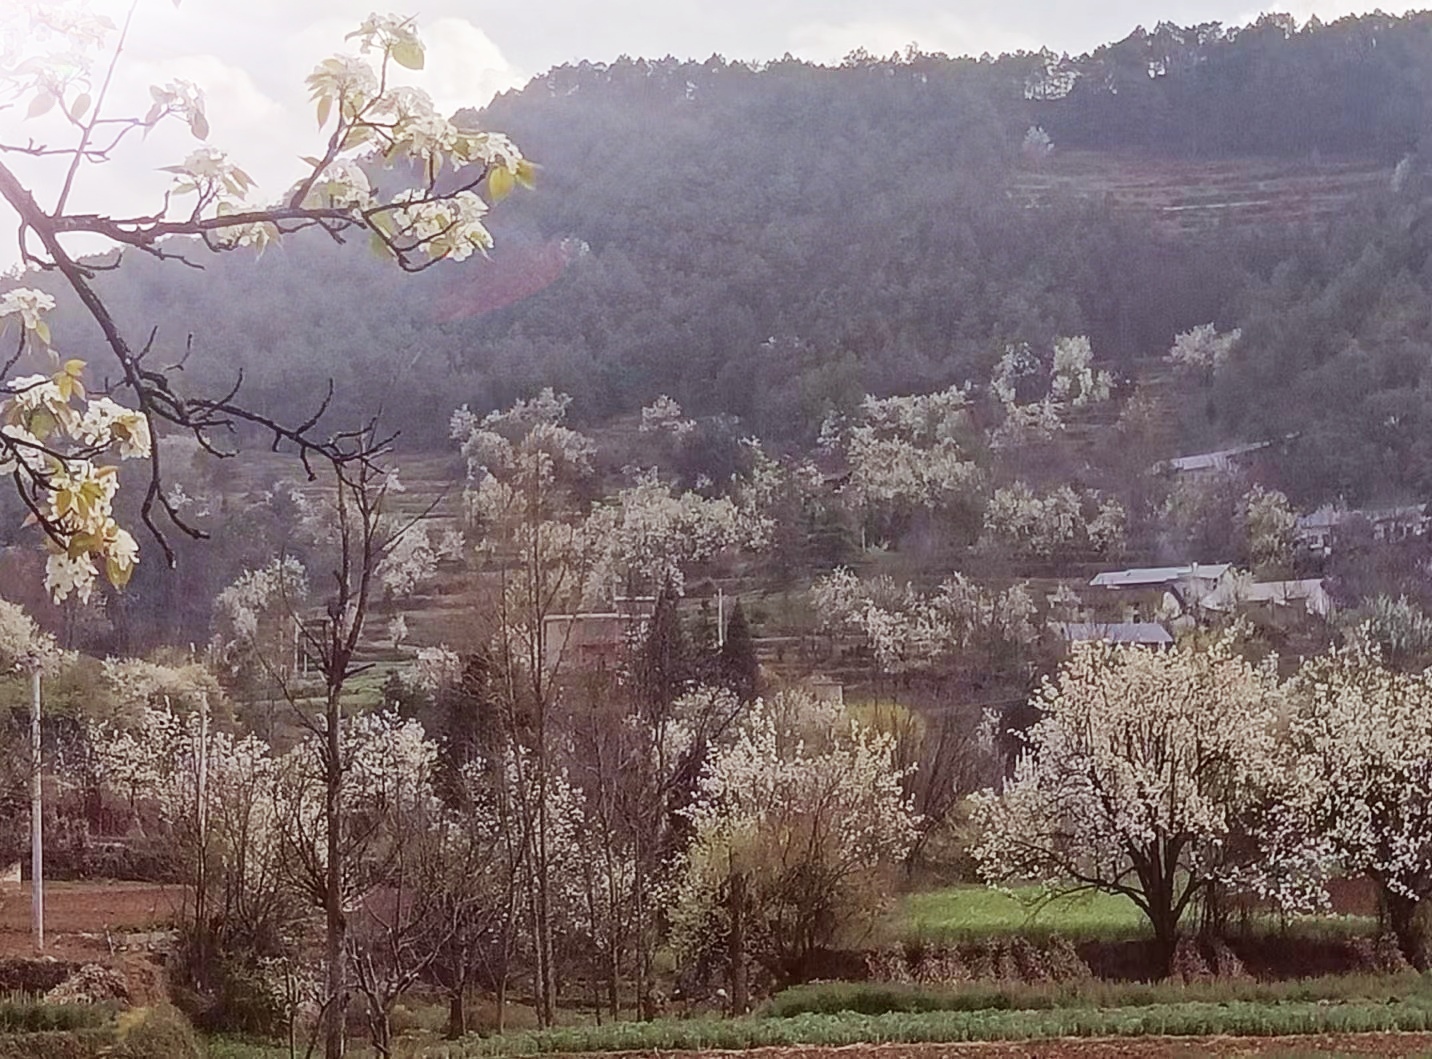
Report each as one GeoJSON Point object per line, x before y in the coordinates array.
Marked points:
{"type": "Point", "coordinates": [774, 242]}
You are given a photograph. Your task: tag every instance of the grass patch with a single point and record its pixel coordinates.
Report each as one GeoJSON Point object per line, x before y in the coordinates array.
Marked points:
{"type": "Point", "coordinates": [974, 913]}
{"type": "Point", "coordinates": [1197, 1018]}
{"type": "Point", "coordinates": [875, 998]}
{"type": "Point", "coordinates": [971, 913]}
{"type": "Point", "coordinates": [21, 1015]}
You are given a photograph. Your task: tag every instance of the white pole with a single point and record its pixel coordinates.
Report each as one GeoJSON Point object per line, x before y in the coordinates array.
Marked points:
{"type": "Point", "coordinates": [720, 617]}
{"type": "Point", "coordinates": [202, 812]}
{"type": "Point", "coordinates": [37, 816]}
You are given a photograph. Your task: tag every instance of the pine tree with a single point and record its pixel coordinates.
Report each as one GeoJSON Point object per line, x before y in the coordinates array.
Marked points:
{"type": "Point", "coordinates": [740, 670]}
{"type": "Point", "coordinates": [663, 668]}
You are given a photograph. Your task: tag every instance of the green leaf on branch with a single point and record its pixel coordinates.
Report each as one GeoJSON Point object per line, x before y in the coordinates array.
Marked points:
{"type": "Point", "coordinates": [408, 53]}
{"type": "Point", "coordinates": [500, 183]}
{"type": "Point", "coordinates": [41, 103]}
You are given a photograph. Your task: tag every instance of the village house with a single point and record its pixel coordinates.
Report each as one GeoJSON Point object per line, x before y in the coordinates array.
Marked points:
{"type": "Point", "coordinates": [1166, 592]}
{"type": "Point", "coordinates": [1307, 594]}
{"type": "Point", "coordinates": [1316, 532]}
{"type": "Point", "coordinates": [1218, 462]}
{"type": "Point", "coordinates": [594, 641]}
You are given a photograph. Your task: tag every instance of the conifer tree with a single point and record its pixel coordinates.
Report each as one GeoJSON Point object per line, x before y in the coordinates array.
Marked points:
{"type": "Point", "coordinates": [740, 669]}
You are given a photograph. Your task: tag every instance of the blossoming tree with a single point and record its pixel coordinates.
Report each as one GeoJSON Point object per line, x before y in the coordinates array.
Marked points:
{"type": "Point", "coordinates": [1360, 749]}
{"type": "Point", "coordinates": [60, 443]}
{"type": "Point", "coordinates": [1142, 769]}
{"type": "Point", "coordinates": [793, 822]}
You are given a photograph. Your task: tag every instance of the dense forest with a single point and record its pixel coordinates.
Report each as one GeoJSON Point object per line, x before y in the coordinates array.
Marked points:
{"type": "Point", "coordinates": [773, 242]}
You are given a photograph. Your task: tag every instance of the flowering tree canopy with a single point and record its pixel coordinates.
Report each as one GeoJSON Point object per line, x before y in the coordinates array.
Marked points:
{"type": "Point", "coordinates": [1056, 522]}
{"type": "Point", "coordinates": [58, 442]}
{"type": "Point", "coordinates": [906, 453]}
{"type": "Point", "coordinates": [907, 629]}
{"type": "Point", "coordinates": [22, 642]}
{"type": "Point", "coordinates": [804, 804]}
{"type": "Point", "coordinates": [1202, 348]}
{"type": "Point", "coordinates": [1360, 757]}
{"type": "Point", "coordinates": [1142, 769]}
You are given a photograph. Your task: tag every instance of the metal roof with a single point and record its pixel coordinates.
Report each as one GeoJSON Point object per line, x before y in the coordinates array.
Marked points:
{"type": "Point", "coordinates": [1128, 632]}
{"type": "Point", "coordinates": [1159, 575]}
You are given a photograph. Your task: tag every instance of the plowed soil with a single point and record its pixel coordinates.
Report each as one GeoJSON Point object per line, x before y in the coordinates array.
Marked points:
{"type": "Point", "coordinates": [78, 914]}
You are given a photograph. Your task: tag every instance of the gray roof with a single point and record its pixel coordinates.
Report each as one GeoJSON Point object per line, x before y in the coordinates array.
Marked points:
{"type": "Point", "coordinates": [1210, 461]}
{"type": "Point", "coordinates": [1329, 516]}
{"type": "Point", "coordinates": [1159, 575]}
{"type": "Point", "coordinates": [1127, 632]}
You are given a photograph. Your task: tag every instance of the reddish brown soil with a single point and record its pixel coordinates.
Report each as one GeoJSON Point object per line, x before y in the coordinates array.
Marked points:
{"type": "Point", "coordinates": [1348, 1044]}
{"type": "Point", "coordinates": [77, 914]}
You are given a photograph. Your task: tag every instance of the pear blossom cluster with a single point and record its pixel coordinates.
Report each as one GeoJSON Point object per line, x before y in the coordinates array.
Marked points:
{"type": "Point", "coordinates": [1141, 775]}
{"type": "Point", "coordinates": [525, 467]}
{"type": "Point", "coordinates": [1036, 391]}
{"type": "Point", "coordinates": [1054, 523]}
{"type": "Point", "coordinates": [22, 642]}
{"type": "Point", "coordinates": [1269, 526]}
{"type": "Point", "coordinates": [906, 452]}
{"type": "Point", "coordinates": [54, 439]}
{"type": "Point", "coordinates": [664, 416]}
{"type": "Point", "coordinates": [1359, 754]}
{"type": "Point", "coordinates": [651, 533]}
{"type": "Point", "coordinates": [906, 629]}
{"type": "Point", "coordinates": [1203, 348]}
{"type": "Point", "coordinates": [800, 791]}
{"type": "Point", "coordinates": [1173, 776]}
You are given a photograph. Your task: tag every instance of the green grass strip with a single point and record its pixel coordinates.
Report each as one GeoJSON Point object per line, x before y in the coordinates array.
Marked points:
{"type": "Point", "coordinates": [877, 998]}
{"type": "Point", "coordinates": [1202, 1018]}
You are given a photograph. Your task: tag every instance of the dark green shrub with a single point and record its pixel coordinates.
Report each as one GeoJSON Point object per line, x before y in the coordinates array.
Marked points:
{"type": "Point", "coordinates": [27, 1016]}
{"type": "Point", "coordinates": [56, 1044]}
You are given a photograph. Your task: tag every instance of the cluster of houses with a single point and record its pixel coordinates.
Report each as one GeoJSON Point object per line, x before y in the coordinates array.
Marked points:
{"type": "Point", "coordinates": [1157, 602]}
{"type": "Point", "coordinates": [1317, 532]}
{"type": "Point", "coordinates": [1151, 605]}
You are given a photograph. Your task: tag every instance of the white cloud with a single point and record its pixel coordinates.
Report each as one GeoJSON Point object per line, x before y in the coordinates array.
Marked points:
{"type": "Point", "coordinates": [464, 67]}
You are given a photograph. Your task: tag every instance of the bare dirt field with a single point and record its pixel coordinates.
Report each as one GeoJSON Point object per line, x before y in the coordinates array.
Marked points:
{"type": "Point", "coordinates": [1353, 1044]}
{"type": "Point", "coordinates": [78, 914]}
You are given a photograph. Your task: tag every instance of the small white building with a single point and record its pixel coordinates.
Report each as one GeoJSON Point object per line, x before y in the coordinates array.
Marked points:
{"type": "Point", "coordinates": [1309, 594]}
{"type": "Point", "coordinates": [1217, 462]}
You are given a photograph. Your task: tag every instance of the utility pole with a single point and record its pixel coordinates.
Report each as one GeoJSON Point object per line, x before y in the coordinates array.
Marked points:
{"type": "Point", "coordinates": [37, 815]}
{"type": "Point", "coordinates": [201, 820]}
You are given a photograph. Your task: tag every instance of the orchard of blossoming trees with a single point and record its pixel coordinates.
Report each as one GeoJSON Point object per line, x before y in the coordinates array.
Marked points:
{"type": "Point", "coordinates": [588, 713]}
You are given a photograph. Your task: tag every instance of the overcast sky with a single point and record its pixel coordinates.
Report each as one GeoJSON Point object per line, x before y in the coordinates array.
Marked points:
{"type": "Point", "coordinates": [250, 56]}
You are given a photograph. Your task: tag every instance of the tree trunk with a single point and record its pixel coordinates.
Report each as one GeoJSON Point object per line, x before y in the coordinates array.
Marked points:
{"type": "Point", "coordinates": [457, 1013]}
{"type": "Point", "coordinates": [334, 1036]}
{"type": "Point", "coordinates": [1165, 937]}
{"type": "Point", "coordinates": [1401, 916]}
{"type": "Point", "coordinates": [740, 998]}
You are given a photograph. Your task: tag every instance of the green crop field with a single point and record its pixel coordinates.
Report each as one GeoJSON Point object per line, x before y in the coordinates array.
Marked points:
{"type": "Point", "coordinates": [970, 913]}
{"type": "Point", "coordinates": [966, 913]}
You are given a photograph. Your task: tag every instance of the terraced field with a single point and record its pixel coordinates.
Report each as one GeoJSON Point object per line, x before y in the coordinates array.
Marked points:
{"type": "Point", "coordinates": [1193, 196]}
